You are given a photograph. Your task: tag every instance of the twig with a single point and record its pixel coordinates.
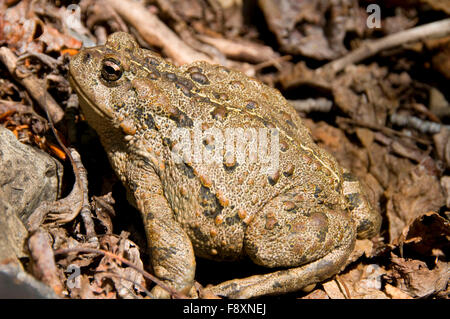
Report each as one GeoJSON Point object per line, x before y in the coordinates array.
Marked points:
{"type": "Point", "coordinates": [417, 123]}
{"type": "Point", "coordinates": [33, 85]}
{"type": "Point", "coordinates": [155, 32]}
{"type": "Point", "coordinates": [312, 105]}
{"type": "Point", "coordinates": [85, 211]}
{"type": "Point", "coordinates": [386, 130]}
{"type": "Point", "coordinates": [44, 266]}
{"type": "Point", "coordinates": [112, 274]}
{"type": "Point", "coordinates": [368, 49]}
{"type": "Point", "coordinates": [65, 209]}
{"type": "Point", "coordinates": [126, 262]}
{"type": "Point", "coordinates": [241, 49]}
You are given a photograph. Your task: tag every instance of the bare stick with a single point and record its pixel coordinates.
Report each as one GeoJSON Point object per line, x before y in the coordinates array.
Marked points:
{"type": "Point", "coordinates": [33, 85]}
{"type": "Point", "coordinates": [435, 29]}
{"type": "Point", "coordinates": [241, 49]}
{"type": "Point", "coordinates": [155, 32]}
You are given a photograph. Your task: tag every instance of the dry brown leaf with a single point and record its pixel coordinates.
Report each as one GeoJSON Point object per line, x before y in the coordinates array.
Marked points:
{"type": "Point", "coordinates": [427, 235]}
{"type": "Point", "coordinates": [409, 196]}
{"type": "Point", "coordinates": [363, 93]}
{"type": "Point", "coordinates": [416, 279]}
{"type": "Point", "coordinates": [316, 294]}
{"type": "Point", "coordinates": [396, 293]}
{"type": "Point", "coordinates": [303, 27]}
{"type": "Point", "coordinates": [362, 282]}
{"type": "Point", "coordinates": [125, 277]}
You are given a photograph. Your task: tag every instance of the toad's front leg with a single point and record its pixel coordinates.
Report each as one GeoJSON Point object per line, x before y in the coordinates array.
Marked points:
{"type": "Point", "coordinates": [172, 255]}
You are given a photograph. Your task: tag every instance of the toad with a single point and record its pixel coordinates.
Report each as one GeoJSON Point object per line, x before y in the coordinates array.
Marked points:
{"type": "Point", "coordinates": [220, 166]}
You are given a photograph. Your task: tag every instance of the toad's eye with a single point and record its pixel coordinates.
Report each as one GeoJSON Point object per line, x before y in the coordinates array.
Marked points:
{"type": "Point", "coordinates": [111, 70]}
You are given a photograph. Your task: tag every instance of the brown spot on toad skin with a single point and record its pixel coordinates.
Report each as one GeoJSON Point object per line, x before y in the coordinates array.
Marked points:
{"type": "Point", "coordinates": [218, 220]}
{"type": "Point", "coordinates": [200, 78]}
{"type": "Point", "coordinates": [213, 232]}
{"type": "Point", "coordinates": [320, 223]}
{"type": "Point", "coordinates": [209, 140]}
{"type": "Point", "coordinates": [219, 113]}
{"type": "Point", "coordinates": [205, 180]}
{"type": "Point", "coordinates": [354, 200]}
{"type": "Point", "coordinates": [153, 75]}
{"type": "Point", "coordinates": [238, 85]}
{"type": "Point", "coordinates": [288, 205]}
{"type": "Point", "coordinates": [184, 89]}
{"type": "Point", "coordinates": [151, 60]}
{"type": "Point", "coordinates": [229, 161]}
{"type": "Point", "coordinates": [223, 97]}
{"type": "Point", "coordinates": [271, 221]}
{"type": "Point", "coordinates": [289, 170]}
{"type": "Point", "coordinates": [290, 123]}
{"type": "Point", "coordinates": [299, 248]}
{"type": "Point", "coordinates": [183, 191]}
{"type": "Point", "coordinates": [222, 199]}
{"type": "Point", "coordinates": [248, 219]}
{"type": "Point", "coordinates": [170, 76]}
{"type": "Point", "coordinates": [180, 117]}
{"type": "Point", "coordinates": [242, 213]}
{"type": "Point", "coordinates": [128, 127]}
{"type": "Point", "coordinates": [206, 126]}
{"type": "Point", "coordinates": [274, 177]}
{"type": "Point", "coordinates": [307, 159]}
{"type": "Point", "coordinates": [284, 146]}
{"type": "Point", "coordinates": [251, 105]}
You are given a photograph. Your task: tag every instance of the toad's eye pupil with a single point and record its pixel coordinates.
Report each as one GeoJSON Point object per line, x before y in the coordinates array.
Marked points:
{"type": "Point", "coordinates": [111, 70]}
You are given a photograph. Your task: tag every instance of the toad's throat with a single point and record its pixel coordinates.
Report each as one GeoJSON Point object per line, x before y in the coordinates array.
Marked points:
{"type": "Point", "coordinates": [84, 98]}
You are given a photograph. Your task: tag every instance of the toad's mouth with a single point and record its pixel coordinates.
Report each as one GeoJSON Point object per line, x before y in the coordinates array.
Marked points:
{"type": "Point", "coordinates": [84, 98]}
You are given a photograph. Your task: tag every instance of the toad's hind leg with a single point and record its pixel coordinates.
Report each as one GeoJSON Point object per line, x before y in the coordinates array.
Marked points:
{"type": "Point", "coordinates": [313, 244]}
{"type": "Point", "coordinates": [284, 281]}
